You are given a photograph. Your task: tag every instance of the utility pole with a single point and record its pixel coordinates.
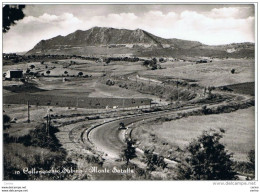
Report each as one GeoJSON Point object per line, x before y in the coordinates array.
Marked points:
{"type": "Point", "coordinates": [178, 90]}
{"type": "Point", "coordinates": [28, 106]}
{"type": "Point", "coordinates": [47, 123]}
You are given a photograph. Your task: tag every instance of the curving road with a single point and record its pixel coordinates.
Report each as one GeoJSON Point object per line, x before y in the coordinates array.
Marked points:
{"type": "Point", "coordinates": [105, 137]}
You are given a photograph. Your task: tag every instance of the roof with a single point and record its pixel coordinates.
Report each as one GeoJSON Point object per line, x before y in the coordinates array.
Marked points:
{"type": "Point", "coordinates": [15, 70]}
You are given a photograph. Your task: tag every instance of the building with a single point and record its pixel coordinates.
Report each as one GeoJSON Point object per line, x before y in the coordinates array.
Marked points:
{"type": "Point", "coordinates": [15, 73]}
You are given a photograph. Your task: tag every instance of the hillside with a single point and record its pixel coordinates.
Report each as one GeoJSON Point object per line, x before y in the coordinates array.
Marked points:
{"type": "Point", "coordinates": [111, 41]}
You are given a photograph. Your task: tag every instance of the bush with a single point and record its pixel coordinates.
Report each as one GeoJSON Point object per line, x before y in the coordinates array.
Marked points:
{"type": "Point", "coordinates": [40, 138]}
{"type": "Point", "coordinates": [153, 160]}
{"type": "Point", "coordinates": [151, 63]}
{"type": "Point", "coordinates": [251, 158]}
{"type": "Point", "coordinates": [206, 159]}
{"type": "Point", "coordinates": [38, 149]}
{"type": "Point", "coordinates": [110, 82]}
{"type": "Point", "coordinates": [6, 119]}
{"type": "Point", "coordinates": [161, 60]}
{"type": "Point", "coordinates": [18, 157]}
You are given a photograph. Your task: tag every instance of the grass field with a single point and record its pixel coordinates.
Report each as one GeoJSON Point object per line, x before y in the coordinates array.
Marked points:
{"type": "Point", "coordinates": [217, 73]}
{"type": "Point", "coordinates": [239, 137]}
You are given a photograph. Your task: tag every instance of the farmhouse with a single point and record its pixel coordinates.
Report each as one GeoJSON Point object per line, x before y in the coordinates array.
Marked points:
{"type": "Point", "coordinates": [15, 73]}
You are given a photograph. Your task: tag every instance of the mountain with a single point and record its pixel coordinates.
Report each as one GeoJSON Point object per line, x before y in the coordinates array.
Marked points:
{"type": "Point", "coordinates": [124, 42]}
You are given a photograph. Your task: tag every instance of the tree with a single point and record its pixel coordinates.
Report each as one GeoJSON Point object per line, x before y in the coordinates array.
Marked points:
{"type": "Point", "coordinates": [210, 89]}
{"type": "Point", "coordinates": [6, 121]}
{"type": "Point", "coordinates": [32, 66]}
{"type": "Point", "coordinates": [128, 151]}
{"type": "Point", "coordinates": [233, 71]}
{"type": "Point", "coordinates": [251, 158]}
{"type": "Point", "coordinates": [65, 72]}
{"type": "Point", "coordinates": [161, 60]}
{"type": "Point", "coordinates": [206, 159]}
{"type": "Point", "coordinates": [171, 98]}
{"type": "Point", "coordinates": [251, 164]}
{"type": "Point", "coordinates": [108, 61]}
{"type": "Point", "coordinates": [80, 74]}
{"type": "Point", "coordinates": [28, 71]}
{"type": "Point", "coordinates": [154, 60]}
{"type": "Point", "coordinates": [11, 14]}
{"type": "Point", "coordinates": [48, 72]}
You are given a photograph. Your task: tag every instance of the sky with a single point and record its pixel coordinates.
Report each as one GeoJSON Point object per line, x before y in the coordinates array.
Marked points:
{"type": "Point", "coordinates": [210, 24]}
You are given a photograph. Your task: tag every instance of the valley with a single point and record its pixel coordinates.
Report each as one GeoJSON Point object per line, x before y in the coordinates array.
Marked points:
{"type": "Point", "coordinates": [90, 102]}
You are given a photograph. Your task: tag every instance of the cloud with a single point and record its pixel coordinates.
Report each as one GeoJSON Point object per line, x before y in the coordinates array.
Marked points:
{"type": "Point", "coordinates": [29, 31]}
{"type": "Point", "coordinates": [224, 12]}
{"type": "Point", "coordinates": [122, 20]}
{"type": "Point", "coordinates": [231, 12]}
{"type": "Point", "coordinates": [208, 30]}
{"type": "Point", "coordinates": [51, 19]}
{"type": "Point", "coordinates": [217, 26]}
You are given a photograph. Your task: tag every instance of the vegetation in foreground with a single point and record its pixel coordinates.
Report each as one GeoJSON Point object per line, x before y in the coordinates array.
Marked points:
{"type": "Point", "coordinates": [39, 151]}
{"type": "Point", "coordinates": [207, 159]}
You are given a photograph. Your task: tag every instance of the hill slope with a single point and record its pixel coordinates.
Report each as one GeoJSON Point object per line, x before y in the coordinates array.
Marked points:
{"type": "Point", "coordinates": [111, 41]}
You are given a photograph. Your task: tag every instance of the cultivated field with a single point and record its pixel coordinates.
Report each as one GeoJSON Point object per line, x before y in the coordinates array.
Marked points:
{"type": "Point", "coordinates": [239, 136]}
{"type": "Point", "coordinates": [215, 73]}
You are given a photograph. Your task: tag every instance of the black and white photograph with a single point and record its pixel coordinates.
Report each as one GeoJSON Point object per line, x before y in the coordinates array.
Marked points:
{"type": "Point", "coordinates": [129, 92]}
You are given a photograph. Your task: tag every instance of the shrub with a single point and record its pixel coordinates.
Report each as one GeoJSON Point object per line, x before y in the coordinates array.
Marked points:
{"type": "Point", "coordinates": [251, 158]}
{"type": "Point", "coordinates": [161, 60]}
{"type": "Point", "coordinates": [153, 160]}
{"type": "Point", "coordinates": [6, 119]}
{"type": "Point", "coordinates": [206, 159]}
{"type": "Point", "coordinates": [110, 82]}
